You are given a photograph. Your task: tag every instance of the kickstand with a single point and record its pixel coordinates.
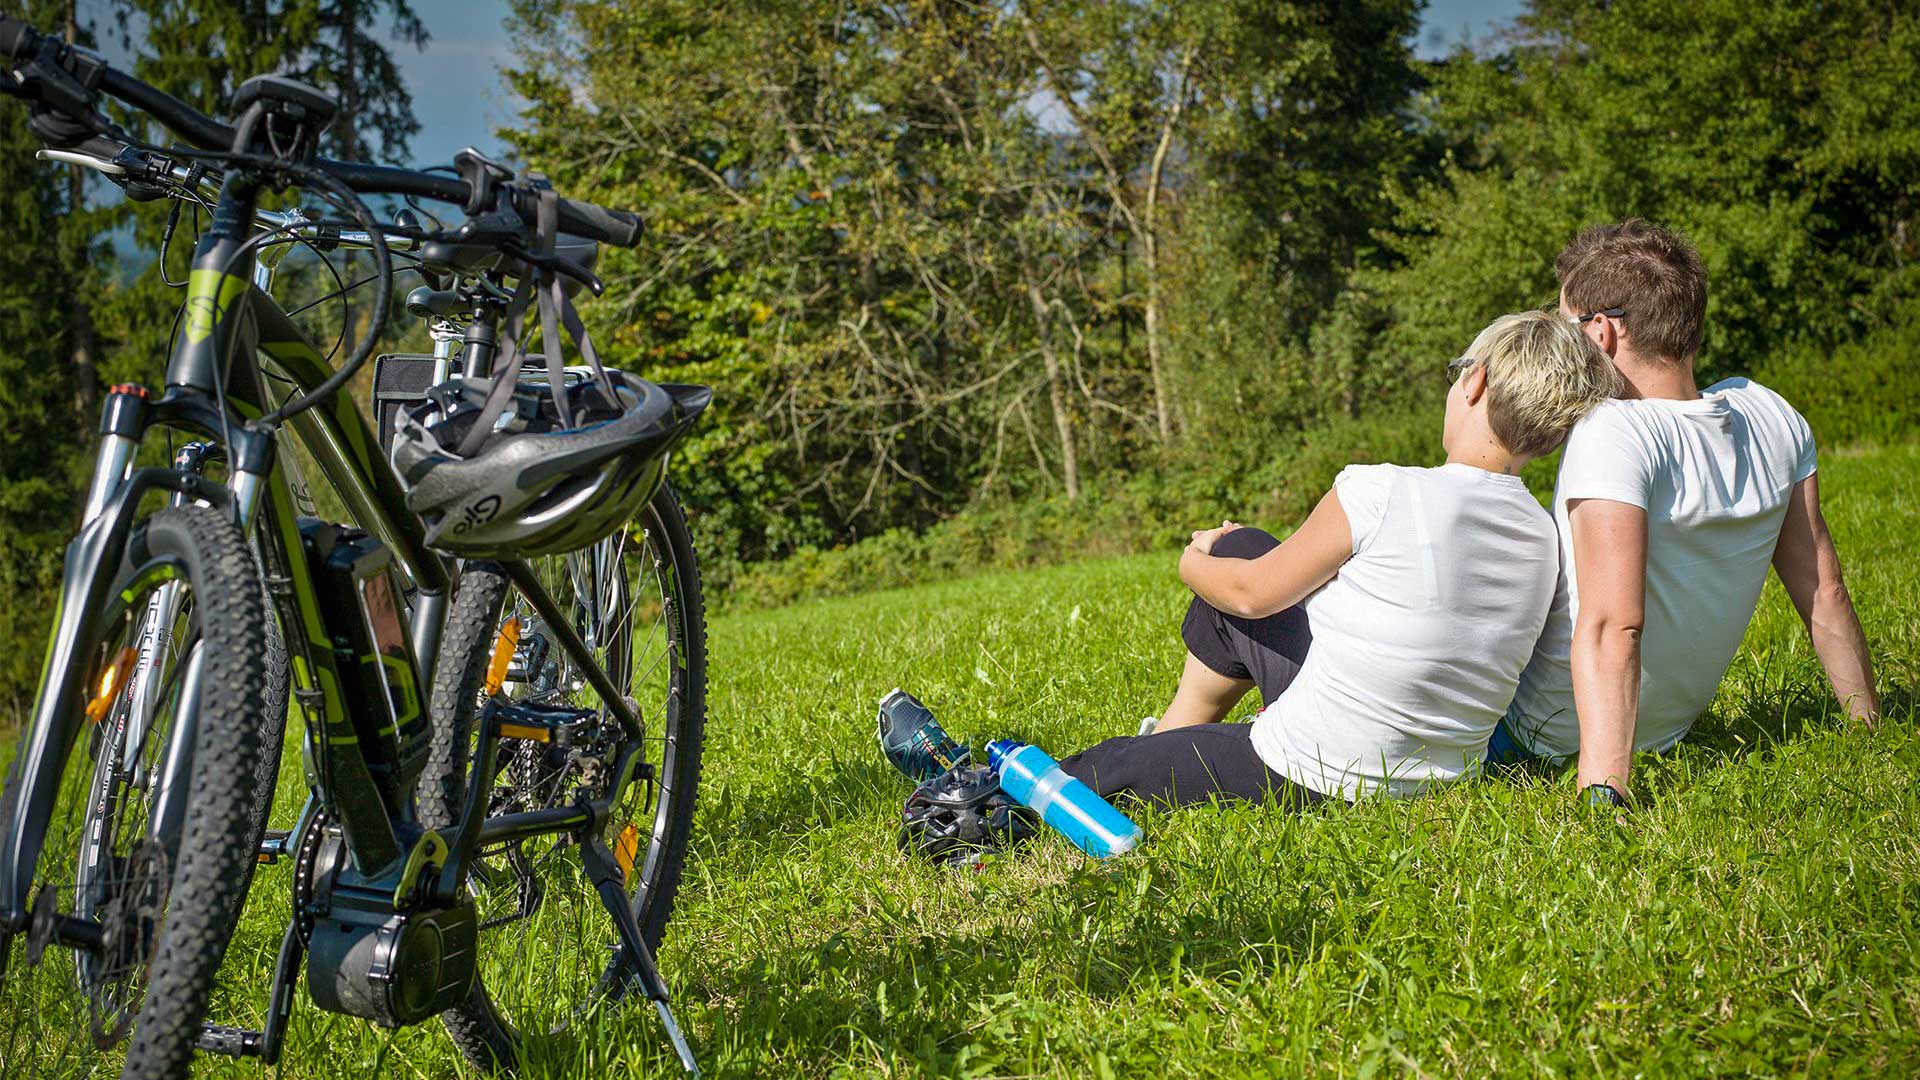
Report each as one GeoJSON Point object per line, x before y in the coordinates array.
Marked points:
{"type": "Point", "coordinates": [611, 884]}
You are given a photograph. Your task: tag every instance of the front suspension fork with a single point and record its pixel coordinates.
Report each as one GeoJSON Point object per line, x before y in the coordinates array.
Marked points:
{"type": "Point", "coordinates": [91, 562]}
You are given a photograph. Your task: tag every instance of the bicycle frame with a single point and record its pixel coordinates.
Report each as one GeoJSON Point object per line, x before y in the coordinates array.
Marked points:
{"type": "Point", "coordinates": [233, 331]}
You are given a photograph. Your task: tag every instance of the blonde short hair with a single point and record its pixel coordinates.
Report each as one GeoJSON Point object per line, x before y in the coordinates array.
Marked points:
{"type": "Point", "coordinates": [1543, 375]}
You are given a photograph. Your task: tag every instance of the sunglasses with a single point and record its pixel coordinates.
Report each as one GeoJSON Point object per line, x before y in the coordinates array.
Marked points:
{"type": "Point", "coordinates": [1611, 313]}
{"type": "Point", "coordinates": [1457, 367]}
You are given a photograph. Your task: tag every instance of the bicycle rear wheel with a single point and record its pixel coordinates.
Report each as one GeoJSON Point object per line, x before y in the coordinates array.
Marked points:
{"type": "Point", "coordinates": [547, 953]}
{"type": "Point", "coordinates": [149, 834]}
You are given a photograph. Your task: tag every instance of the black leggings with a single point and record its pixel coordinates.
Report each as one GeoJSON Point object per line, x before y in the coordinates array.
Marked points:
{"type": "Point", "coordinates": [1186, 766]}
{"type": "Point", "coordinates": [1197, 764]}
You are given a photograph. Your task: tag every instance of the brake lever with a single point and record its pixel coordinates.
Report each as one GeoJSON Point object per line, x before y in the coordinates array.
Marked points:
{"type": "Point", "coordinates": [114, 169]}
{"type": "Point", "coordinates": [558, 264]}
{"type": "Point", "coordinates": [495, 228]}
{"type": "Point", "coordinates": [128, 172]}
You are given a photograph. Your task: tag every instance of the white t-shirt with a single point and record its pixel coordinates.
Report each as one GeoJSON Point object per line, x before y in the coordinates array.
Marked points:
{"type": "Point", "coordinates": [1419, 640]}
{"type": "Point", "coordinates": [1713, 475]}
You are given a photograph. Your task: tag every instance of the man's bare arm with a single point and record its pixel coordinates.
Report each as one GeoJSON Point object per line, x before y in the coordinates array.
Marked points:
{"type": "Point", "coordinates": [1610, 561]}
{"type": "Point", "coordinates": [1809, 567]}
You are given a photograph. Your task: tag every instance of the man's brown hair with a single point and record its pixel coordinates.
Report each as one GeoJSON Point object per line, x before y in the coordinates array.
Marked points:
{"type": "Point", "coordinates": [1651, 273]}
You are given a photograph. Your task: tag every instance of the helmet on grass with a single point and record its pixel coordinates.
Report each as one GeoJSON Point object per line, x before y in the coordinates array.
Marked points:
{"type": "Point", "coordinates": [960, 813]}
{"type": "Point", "coordinates": [534, 485]}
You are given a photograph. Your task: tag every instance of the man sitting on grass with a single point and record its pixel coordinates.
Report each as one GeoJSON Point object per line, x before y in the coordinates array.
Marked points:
{"type": "Point", "coordinates": [1420, 591]}
{"type": "Point", "coordinates": [1670, 504]}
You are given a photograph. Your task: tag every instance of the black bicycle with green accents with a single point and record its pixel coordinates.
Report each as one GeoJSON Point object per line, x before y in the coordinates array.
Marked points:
{"type": "Point", "coordinates": [500, 758]}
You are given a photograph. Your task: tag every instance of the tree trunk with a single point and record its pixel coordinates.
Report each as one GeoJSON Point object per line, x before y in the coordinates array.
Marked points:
{"type": "Point", "coordinates": [80, 335]}
{"type": "Point", "coordinates": [1154, 368]}
{"type": "Point", "coordinates": [1150, 242]}
{"type": "Point", "coordinates": [349, 80]}
{"type": "Point", "coordinates": [1056, 391]}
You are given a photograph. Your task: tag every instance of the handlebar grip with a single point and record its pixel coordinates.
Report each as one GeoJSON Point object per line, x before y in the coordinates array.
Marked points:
{"type": "Point", "coordinates": [17, 39]}
{"type": "Point", "coordinates": [617, 227]}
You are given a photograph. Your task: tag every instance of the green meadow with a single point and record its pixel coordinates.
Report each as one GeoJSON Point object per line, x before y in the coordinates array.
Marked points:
{"type": "Point", "coordinates": [1757, 915]}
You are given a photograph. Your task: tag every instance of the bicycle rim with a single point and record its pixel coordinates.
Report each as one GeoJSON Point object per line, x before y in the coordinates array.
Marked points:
{"type": "Point", "coordinates": [547, 957]}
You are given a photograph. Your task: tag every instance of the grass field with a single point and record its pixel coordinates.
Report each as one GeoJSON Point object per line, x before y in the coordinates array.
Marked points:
{"type": "Point", "coordinates": [1759, 915]}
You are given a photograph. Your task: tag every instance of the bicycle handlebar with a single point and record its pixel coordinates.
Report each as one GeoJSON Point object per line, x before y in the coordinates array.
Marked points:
{"type": "Point", "coordinates": [106, 156]}
{"type": "Point", "coordinates": [618, 227]}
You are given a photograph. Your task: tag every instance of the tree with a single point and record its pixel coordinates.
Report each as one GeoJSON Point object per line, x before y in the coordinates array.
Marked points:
{"type": "Point", "coordinates": [46, 375]}
{"type": "Point", "coordinates": [346, 58]}
{"type": "Point", "coordinates": [1778, 137]}
{"type": "Point", "coordinates": [75, 320]}
{"type": "Point", "coordinates": [1124, 74]}
{"type": "Point", "coordinates": [916, 244]}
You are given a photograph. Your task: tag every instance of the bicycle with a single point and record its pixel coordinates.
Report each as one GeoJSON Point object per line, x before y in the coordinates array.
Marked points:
{"type": "Point", "coordinates": [472, 780]}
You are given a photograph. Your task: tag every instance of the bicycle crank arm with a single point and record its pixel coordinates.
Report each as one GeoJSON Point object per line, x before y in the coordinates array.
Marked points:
{"type": "Point", "coordinates": [236, 1042]}
{"type": "Point", "coordinates": [610, 882]}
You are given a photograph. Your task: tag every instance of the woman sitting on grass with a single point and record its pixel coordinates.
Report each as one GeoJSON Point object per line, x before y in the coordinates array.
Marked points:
{"type": "Point", "coordinates": [1387, 634]}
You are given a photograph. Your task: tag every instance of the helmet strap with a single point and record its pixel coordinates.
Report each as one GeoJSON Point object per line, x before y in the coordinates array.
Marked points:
{"type": "Point", "coordinates": [546, 223]}
{"type": "Point", "coordinates": [556, 311]}
{"type": "Point", "coordinates": [506, 373]}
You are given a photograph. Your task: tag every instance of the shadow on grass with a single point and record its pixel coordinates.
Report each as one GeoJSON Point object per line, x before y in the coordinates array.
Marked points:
{"type": "Point", "coordinates": [936, 1004]}
{"type": "Point", "coordinates": [803, 801]}
{"type": "Point", "coordinates": [1783, 716]}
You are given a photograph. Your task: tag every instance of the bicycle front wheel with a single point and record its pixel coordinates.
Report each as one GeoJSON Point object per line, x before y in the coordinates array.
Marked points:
{"type": "Point", "coordinates": [546, 950]}
{"type": "Point", "coordinates": [150, 831]}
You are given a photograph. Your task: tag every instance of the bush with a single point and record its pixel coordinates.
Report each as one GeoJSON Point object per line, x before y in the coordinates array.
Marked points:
{"type": "Point", "coordinates": [1272, 484]}
{"type": "Point", "coordinates": [1867, 391]}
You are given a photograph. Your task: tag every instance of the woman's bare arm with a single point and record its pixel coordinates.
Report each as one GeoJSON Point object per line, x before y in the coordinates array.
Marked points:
{"type": "Point", "coordinates": [1256, 588]}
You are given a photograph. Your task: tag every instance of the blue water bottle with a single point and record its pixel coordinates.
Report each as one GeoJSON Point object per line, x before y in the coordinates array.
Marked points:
{"type": "Point", "coordinates": [1038, 781]}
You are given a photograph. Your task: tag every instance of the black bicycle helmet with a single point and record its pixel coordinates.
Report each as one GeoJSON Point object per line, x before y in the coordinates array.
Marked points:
{"type": "Point", "coordinates": [961, 813]}
{"type": "Point", "coordinates": [535, 485]}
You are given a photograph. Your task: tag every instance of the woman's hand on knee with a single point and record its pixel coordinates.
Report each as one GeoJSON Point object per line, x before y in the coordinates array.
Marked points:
{"type": "Point", "coordinates": [1203, 539]}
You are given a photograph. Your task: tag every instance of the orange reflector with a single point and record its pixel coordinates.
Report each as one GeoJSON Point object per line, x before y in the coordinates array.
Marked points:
{"type": "Point", "coordinates": [525, 731]}
{"type": "Point", "coordinates": [112, 681]}
{"type": "Point", "coordinates": [625, 848]}
{"type": "Point", "coordinates": [503, 647]}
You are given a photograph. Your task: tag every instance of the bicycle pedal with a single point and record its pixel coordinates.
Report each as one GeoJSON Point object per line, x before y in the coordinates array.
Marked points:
{"type": "Point", "coordinates": [273, 844]}
{"type": "Point", "coordinates": [231, 1042]}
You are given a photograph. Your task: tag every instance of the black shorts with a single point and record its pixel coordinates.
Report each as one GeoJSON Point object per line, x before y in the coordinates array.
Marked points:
{"type": "Point", "coordinates": [1185, 766]}
{"type": "Point", "coordinates": [1267, 651]}
{"type": "Point", "coordinates": [1208, 761]}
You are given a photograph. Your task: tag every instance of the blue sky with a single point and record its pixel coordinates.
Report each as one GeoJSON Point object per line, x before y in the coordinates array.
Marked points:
{"type": "Point", "coordinates": [457, 92]}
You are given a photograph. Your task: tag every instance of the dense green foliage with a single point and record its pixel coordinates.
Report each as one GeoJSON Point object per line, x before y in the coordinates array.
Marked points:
{"type": "Point", "coordinates": [38, 476]}
{"type": "Point", "coordinates": [930, 252]}
{"type": "Point", "coordinates": [1755, 917]}
{"type": "Point", "coordinates": [1867, 391]}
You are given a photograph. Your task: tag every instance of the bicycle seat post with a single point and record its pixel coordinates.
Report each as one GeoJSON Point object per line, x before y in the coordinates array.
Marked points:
{"type": "Point", "coordinates": [480, 341]}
